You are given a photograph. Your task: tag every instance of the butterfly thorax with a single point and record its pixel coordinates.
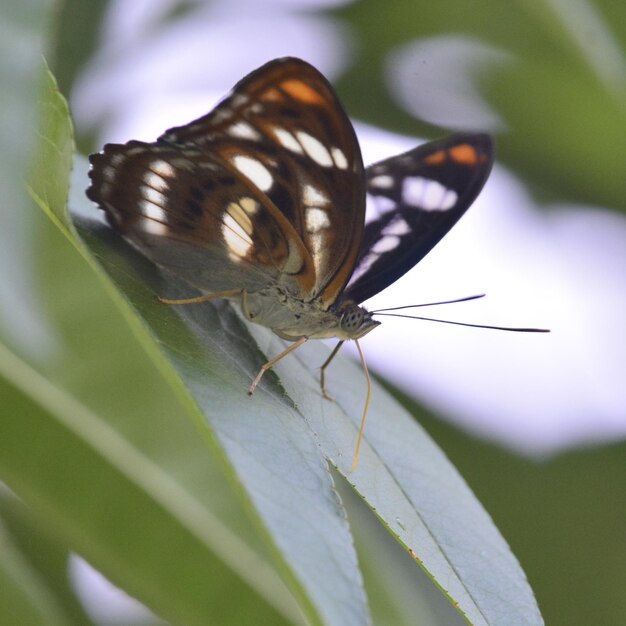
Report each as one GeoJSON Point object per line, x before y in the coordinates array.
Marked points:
{"type": "Point", "coordinates": [292, 318]}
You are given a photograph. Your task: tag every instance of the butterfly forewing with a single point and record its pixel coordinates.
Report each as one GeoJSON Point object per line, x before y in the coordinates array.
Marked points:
{"type": "Point", "coordinates": [267, 189]}
{"type": "Point", "coordinates": [189, 213]}
{"type": "Point", "coordinates": [284, 130]}
{"type": "Point", "coordinates": [418, 197]}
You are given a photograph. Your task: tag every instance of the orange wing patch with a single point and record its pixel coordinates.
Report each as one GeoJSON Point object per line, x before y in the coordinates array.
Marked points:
{"type": "Point", "coordinates": [302, 92]}
{"type": "Point", "coordinates": [464, 154]}
{"type": "Point", "coordinates": [272, 95]}
{"type": "Point", "coordinates": [436, 158]}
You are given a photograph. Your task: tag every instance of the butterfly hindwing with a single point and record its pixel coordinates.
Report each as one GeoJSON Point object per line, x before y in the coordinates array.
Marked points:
{"type": "Point", "coordinates": [419, 196]}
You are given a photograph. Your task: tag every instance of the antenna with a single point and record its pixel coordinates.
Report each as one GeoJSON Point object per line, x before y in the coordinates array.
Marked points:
{"type": "Point", "coordinates": [432, 319]}
{"type": "Point", "coordinates": [385, 312]}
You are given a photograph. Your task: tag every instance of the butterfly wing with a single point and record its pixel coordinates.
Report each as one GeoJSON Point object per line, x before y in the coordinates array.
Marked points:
{"type": "Point", "coordinates": [284, 129]}
{"type": "Point", "coordinates": [189, 213]}
{"type": "Point", "coordinates": [266, 189]}
{"type": "Point", "coordinates": [419, 196]}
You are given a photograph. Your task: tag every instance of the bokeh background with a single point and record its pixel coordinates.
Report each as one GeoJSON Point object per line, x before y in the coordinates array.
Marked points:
{"type": "Point", "coordinates": [535, 423]}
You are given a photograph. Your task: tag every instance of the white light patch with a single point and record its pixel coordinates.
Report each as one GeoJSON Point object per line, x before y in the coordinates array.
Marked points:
{"type": "Point", "coordinates": [152, 210]}
{"type": "Point", "coordinates": [316, 219]}
{"type": "Point", "coordinates": [313, 196]}
{"type": "Point", "coordinates": [287, 140]}
{"type": "Point", "coordinates": [339, 158]}
{"type": "Point", "coordinates": [162, 168]}
{"type": "Point", "coordinates": [382, 181]}
{"type": "Point", "coordinates": [243, 130]}
{"type": "Point", "coordinates": [254, 171]}
{"type": "Point", "coordinates": [155, 181]}
{"type": "Point", "coordinates": [315, 149]}
{"type": "Point", "coordinates": [235, 237]}
{"type": "Point", "coordinates": [427, 194]}
{"type": "Point", "coordinates": [397, 228]}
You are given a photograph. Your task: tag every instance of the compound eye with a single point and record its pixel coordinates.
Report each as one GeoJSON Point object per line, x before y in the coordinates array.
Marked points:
{"type": "Point", "coordinates": [352, 319]}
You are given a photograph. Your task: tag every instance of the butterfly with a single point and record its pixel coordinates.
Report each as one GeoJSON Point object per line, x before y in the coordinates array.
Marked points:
{"type": "Point", "coordinates": [262, 202]}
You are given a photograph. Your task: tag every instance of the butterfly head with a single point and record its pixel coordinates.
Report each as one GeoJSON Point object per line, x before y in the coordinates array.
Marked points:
{"type": "Point", "coordinates": [355, 321]}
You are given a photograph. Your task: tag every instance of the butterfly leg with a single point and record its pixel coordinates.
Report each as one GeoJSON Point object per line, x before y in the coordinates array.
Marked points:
{"type": "Point", "coordinates": [368, 380]}
{"type": "Point", "coordinates": [323, 370]}
{"type": "Point", "coordinates": [211, 296]}
{"type": "Point", "coordinates": [273, 362]}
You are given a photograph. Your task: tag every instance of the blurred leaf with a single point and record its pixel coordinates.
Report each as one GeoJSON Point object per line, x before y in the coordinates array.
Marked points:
{"type": "Point", "coordinates": [47, 559]}
{"type": "Point", "coordinates": [24, 598]}
{"type": "Point", "coordinates": [561, 93]}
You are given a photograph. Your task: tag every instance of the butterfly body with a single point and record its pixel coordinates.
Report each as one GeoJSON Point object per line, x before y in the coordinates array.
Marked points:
{"type": "Point", "coordinates": [292, 318]}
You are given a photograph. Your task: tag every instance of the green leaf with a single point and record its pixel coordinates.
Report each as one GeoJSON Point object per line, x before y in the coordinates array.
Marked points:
{"type": "Point", "coordinates": [273, 457]}
{"type": "Point", "coordinates": [402, 475]}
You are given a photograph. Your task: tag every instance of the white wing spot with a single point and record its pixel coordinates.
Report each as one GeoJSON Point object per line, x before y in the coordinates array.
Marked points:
{"type": "Point", "coordinates": [386, 244]}
{"type": "Point", "coordinates": [237, 100]}
{"type": "Point", "coordinates": [313, 196]}
{"type": "Point", "coordinates": [449, 199]}
{"type": "Point", "coordinates": [117, 159]}
{"type": "Point", "coordinates": [162, 168]}
{"type": "Point", "coordinates": [383, 203]}
{"type": "Point", "coordinates": [153, 228]}
{"type": "Point", "coordinates": [154, 196]}
{"type": "Point", "coordinates": [155, 181]}
{"type": "Point", "coordinates": [254, 171]}
{"type": "Point", "coordinates": [152, 211]}
{"type": "Point", "coordinates": [238, 213]}
{"type": "Point", "coordinates": [316, 219]}
{"type": "Point", "coordinates": [219, 115]}
{"type": "Point", "coordinates": [397, 227]}
{"type": "Point", "coordinates": [427, 194]}
{"type": "Point", "coordinates": [243, 130]}
{"type": "Point", "coordinates": [339, 158]}
{"type": "Point", "coordinates": [134, 151]}
{"type": "Point", "coordinates": [287, 140]}
{"type": "Point", "coordinates": [382, 181]}
{"type": "Point", "coordinates": [315, 149]}
{"type": "Point", "coordinates": [181, 163]}
{"type": "Point", "coordinates": [235, 237]}
{"type": "Point", "coordinates": [249, 205]}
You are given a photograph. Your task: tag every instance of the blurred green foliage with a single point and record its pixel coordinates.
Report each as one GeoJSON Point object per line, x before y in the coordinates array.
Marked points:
{"type": "Point", "coordinates": [563, 100]}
